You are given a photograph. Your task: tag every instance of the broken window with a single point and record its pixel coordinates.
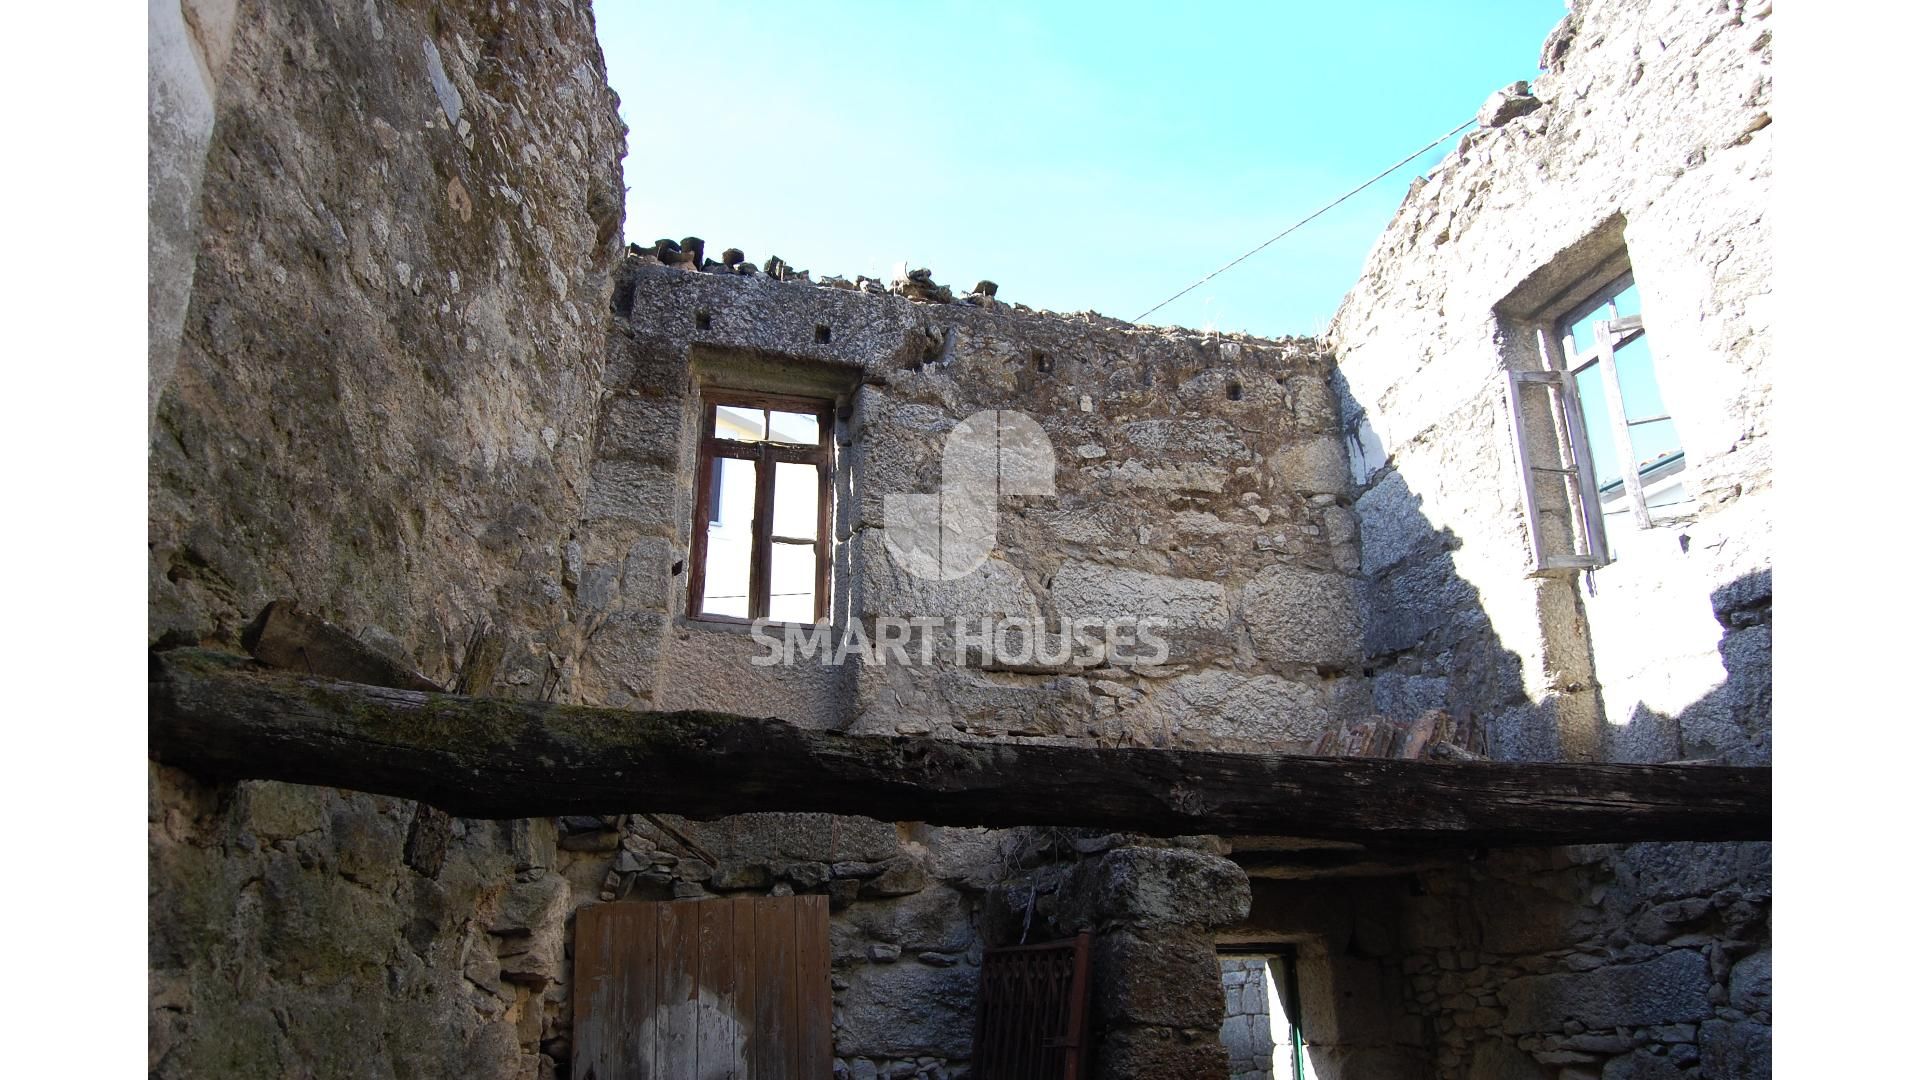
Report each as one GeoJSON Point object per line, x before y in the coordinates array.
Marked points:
{"type": "Point", "coordinates": [1591, 431]}
{"type": "Point", "coordinates": [763, 502]}
{"type": "Point", "coordinates": [1633, 443]}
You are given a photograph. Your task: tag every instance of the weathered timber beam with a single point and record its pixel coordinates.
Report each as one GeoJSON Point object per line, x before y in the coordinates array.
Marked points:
{"type": "Point", "coordinates": [1365, 861]}
{"type": "Point", "coordinates": [225, 717]}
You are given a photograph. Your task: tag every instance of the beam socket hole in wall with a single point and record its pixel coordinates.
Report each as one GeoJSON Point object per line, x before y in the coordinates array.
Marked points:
{"type": "Point", "coordinates": [822, 334]}
{"type": "Point", "coordinates": [1233, 391]}
{"type": "Point", "coordinates": [1042, 362]}
{"type": "Point", "coordinates": [702, 320]}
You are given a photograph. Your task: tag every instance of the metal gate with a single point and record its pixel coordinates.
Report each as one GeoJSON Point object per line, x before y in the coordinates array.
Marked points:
{"type": "Point", "coordinates": [1031, 1023]}
{"type": "Point", "coordinates": [732, 989]}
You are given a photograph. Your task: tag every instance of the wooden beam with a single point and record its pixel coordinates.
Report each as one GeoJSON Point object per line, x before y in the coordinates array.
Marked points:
{"type": "Point", "coordinates": [1363, 861]}
{"type": "Point", "coordinates": [225, 717]}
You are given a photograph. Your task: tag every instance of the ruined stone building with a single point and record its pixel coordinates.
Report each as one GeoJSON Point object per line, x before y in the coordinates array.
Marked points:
{"type": "Point", "coordinates": [410, 377]}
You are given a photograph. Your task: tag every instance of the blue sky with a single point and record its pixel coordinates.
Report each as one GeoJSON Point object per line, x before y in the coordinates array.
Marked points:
{"type": "Point", "coordinates": [1083, 156]}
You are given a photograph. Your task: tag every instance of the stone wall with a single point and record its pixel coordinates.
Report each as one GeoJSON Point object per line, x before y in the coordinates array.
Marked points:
{"type": "Point", "coordinates": [399, 229]}
{"type": "Point", "coordinates": [905, 904]}
{"type": "Point", "coordinates": [1652, 961]}
{"type": "Point", "coordinates": [390, 370]}
{"type": "Point", "coordinates": [1199, 479]}
{"type": "Point", "coordinates": [1248, 1030]}
{"type": "Point", "coordinates": [1646, 138]}
{"type": "Point", "coordinates": [1357, 1014]}
{"type": "Point", "coordinates": [1645, 142]}
{"type": "Point", "coordinates": [395, 402]}
{"type": "Point", "coordinates": [306, 931]}
{"type": "Point", "coordinates": [914, 907]}
{"type": "Point", "coordinates": [187, 47]}
{"type": "Point", "coordinates": [1153, 908]}
{"type": "Point", "coordinates": [398, 398]}
{"type": "Point", "coordinates": [1649, 960]}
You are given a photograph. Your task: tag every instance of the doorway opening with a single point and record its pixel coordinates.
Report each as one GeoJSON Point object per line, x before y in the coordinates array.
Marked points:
{"type": "Point", "coordinates": [1261, 1030]}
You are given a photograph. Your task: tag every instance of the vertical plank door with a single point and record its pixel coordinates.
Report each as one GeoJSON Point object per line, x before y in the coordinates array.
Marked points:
{"type": "Point", "coordinates": [733, 989]}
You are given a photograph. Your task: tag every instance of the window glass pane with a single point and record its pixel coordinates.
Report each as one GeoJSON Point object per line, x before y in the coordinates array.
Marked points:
{"type": "Point", "coordinates": [792, 427]}
{"type": "Point", "coordinates": [796, 500]}
{"type": "Point", "coordinates": [730, 499]}
{"type": "Point", "coordinates": [792, 583]}
{"type": "Point", "coordinates": [729, 538]}
{"type": "Point", "coordinates": [736, 422]}
{"type": "Point", "coordinates": [1593, 413]}
{"type": "Point", "coordinates": [1653, 442]}
{"type": "Point", "coordinates": [1639, 390]}
{"type": "Point", "coordinates": [1627, 300]}
{"type": "Point", "coordinates": [1580, 334]}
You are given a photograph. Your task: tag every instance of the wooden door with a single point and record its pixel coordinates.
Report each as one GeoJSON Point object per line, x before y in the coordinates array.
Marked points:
{"type": "Point", "coordinates": [731, 989]}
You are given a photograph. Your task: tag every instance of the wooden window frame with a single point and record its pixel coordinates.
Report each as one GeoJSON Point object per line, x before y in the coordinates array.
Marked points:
{"type": "Point", "coordinates": [1568, 436]}
{"type": "Point", "coordinates": [765, 454]}
{"type": "Point", "coordinates": [1568, 445]}
{"type": "Point", "coordinates": [1565, 443]}
{"type": "Point", "coordinates": [1610, 335]}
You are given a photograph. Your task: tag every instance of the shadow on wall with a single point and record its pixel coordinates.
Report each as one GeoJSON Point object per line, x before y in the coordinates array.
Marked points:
{"type": "Point", "coordinates": [1431, 643]}
{"type": "Point", "coordinates": [1733, 721]}
{"type": "Point", "coordinates": [1356, 1012]}
{"type": "Point", "coordinates": [1656, 955]}
{"type": "Point", "coordinates": [1428, 640]}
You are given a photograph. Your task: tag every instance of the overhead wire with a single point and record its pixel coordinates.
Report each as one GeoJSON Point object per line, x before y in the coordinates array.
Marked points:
{"type": "Point", "coordinates": [1382, 175]}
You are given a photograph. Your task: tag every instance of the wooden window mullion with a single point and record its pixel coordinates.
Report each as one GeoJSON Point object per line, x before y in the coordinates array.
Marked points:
{"type": "Point", "coordinates": [702, 514]}
{"type": "Point", "coordinates": [1622, 434]}
{"type": "Point", "coordinates": [759, 587]}
{"type": "Point", "coordinates": [1577, 448]}
{"type": "Point", "coordinates": [766, 455]}
{"type": "Point", "coordinates": [822, 539]}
